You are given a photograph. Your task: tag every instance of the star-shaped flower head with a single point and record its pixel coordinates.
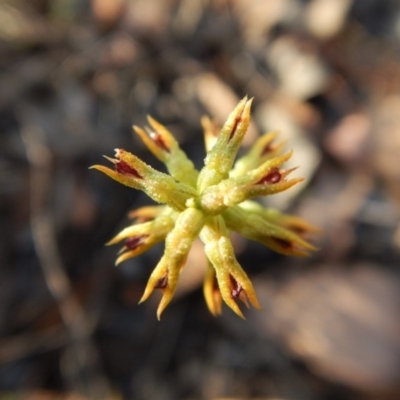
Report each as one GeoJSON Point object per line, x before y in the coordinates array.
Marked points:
{"type": "Point", "coordinates": [209, 204]}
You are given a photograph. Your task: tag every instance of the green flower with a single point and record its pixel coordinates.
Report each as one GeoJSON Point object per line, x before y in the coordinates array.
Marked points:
{"type": "Point", "coordinates": [208, 204]}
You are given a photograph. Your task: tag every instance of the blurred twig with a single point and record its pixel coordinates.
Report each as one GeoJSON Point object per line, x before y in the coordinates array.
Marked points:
{"type": "Point", "coordinates": [81, 366]}
{"type": "Point", "coordinates": [26, 344]}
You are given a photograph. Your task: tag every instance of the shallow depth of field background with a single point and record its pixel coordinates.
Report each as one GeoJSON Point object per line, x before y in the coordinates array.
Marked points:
{"type": "Point", "coordinates": [75, 75]}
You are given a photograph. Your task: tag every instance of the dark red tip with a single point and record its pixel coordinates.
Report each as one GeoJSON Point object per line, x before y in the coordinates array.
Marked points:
{"type": "Point", "coordinates": [123, 167]}
{"type": "Point", "coordinates": [134, 242]}
{"type": "Point", "coordinates": [159, 141]}
{"type": "Point", "coordinates": [273, 176]}
{"type": "Point", "coordinates": [235, 125]}
{"type": "Point", "coordinates": [238, 292]}
{"type": "Point", "coordinates": [162, 283]}
{"type": "Point", "coordinates": [283, 243]}
{"type": "Point", "coordinates": [267, 149]}
{"type": "Point", "coordinates": [236, 288]}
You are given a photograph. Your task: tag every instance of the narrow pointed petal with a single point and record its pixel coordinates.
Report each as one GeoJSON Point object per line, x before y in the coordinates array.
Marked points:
{"type": "Point", "coordinates": [163, 145]}
{"type": "Point", "coordinates": [211, 291]}
{"type": "Point", "coordinates": [291, 222]}
{"type": "Point", "coordinates": [263, 150]}
{"type": "Point", "coordinates": [144, 214]}
{"type": "Point", "coordinates": [273, 188]}
{"type": "Point", "coordinates": [133, 172]}
{"type": "Point", "coordinates": [259, 229]}
{"type": "Point", "coordinates": [160, 226]}
{"type": "Point", "coordinates": [177, 246]}
{"type": "Point", "coordinates": [225, 285]}
{"type": "Point", "coordinates": [220, 158]}
{"type": "Point", "coordinates": [159, 149]}
{"type": "Point", "coordinates": [168, 294]}
{"type": "Point", "coordinates": [159, 273]}
{"type": "Point", "coordinates": [220, 253]}
{"type": "Point", "coordinates": [107, 171]}
{"type": "Point", "coordinates": [126, 255]}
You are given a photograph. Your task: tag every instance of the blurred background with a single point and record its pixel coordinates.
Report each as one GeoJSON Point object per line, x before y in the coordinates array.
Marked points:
{"type": "Point", "coordinates": [75, 75]}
